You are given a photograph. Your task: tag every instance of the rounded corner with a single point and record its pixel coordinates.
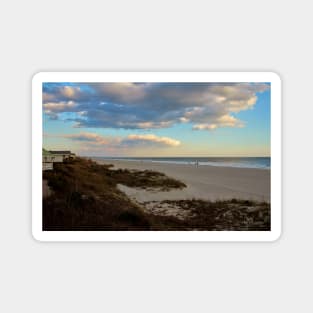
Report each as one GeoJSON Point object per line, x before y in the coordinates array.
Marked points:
{"type": "Point", "coordinates": [276, 236]}
{"type": "Point", "coordinates": [275, 77]}
{"type": "Point", "coordinates": [36, 236]}
{"type": "Point", "coordinates": [36, 77]}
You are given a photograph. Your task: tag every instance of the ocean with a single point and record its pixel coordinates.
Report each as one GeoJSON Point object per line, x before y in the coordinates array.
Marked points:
{"type": "Point", "coordinates": [241, 162]}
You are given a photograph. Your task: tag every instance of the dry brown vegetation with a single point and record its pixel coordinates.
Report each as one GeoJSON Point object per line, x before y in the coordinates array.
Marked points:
{"type": "Point", "coordinates": [85, 197]}
{"type": "Point", "coordinates": [219, 215]}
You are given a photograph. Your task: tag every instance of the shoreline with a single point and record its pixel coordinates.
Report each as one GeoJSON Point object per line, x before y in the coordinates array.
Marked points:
{"type": "Point", "coordinates": [204, 182]}
{"type": "Point", "coordinates": [189, 163]}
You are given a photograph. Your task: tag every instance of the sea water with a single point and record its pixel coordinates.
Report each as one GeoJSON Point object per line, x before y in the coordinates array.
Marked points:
{"type": "Point", "coordinates": [241, 162]}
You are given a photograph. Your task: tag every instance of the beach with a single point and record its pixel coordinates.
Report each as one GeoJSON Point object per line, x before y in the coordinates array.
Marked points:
{"type": "Point", "coordinates": [203, 182]}
{"type": "Point", "coordinates": [144, 195]}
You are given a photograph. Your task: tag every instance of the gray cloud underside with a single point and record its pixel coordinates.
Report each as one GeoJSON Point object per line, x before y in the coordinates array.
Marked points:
{"type": "Point", "coordinates": [152, 105]}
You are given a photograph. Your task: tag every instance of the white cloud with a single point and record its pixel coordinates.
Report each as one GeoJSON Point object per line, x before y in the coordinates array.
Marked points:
{"type": "Point", "coordinates": [69, 91]}
{"type": "Point", "coordinates": [132, 140]}
{"type": "Point", "coordinates": [92, 138]}
{"type": "Point", "coordinates": [222, 121]}
{"type": "Point", "coordinates": [205, 106]}
{"type": "Point", "coordinates": [155, 139]}
{"type": "Point", "coordinates": [56, 107]}
{"type": "Point", "coordinates": [204, 126]}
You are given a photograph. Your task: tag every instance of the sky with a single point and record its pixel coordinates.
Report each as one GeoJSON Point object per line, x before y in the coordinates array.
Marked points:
{"type": "Point", "coordinates": [157, 119]}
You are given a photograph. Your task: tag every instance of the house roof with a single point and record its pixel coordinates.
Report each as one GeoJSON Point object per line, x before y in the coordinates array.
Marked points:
{"type": "Point", "coordinates": [60, 152]}
{"type": "Point", "coordinates": [45, 152]}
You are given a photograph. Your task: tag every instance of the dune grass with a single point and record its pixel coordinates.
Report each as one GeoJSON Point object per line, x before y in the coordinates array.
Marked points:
{"type": "Point", "coordinates": [223, 215]}
{"type": "Point", "coordinates": [85, 197]}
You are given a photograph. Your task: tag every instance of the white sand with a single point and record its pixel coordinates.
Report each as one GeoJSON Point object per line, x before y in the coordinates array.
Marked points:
{"type": "Point", "coordinates": [203, 182]}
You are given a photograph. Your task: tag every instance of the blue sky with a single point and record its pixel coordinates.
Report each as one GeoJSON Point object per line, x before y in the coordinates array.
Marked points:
{"type": "Point", "coordinates": [157, 119]}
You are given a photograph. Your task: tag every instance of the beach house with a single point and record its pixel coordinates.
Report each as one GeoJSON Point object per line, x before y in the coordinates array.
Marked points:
{"type": "Point", "coordinates": [63, 154]}
{"type": "Point", "coordinates": [49, 158]}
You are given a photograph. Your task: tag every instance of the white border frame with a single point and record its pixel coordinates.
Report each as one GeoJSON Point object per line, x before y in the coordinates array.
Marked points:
{"type": "Point", "coordinates": [37, 130]}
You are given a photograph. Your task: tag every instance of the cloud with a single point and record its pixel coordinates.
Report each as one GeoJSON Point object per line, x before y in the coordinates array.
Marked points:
{"type": "Point", "coordinates": [150, 138]}
{"type": "Point", "coordinates": [52, 109]}
{"type": "Point", "coordinates": [91, 138]}
{"type": "Point", "coordinates": [60, 92]}
{"type": "Point", "coordinates": [222, 121]}
{"type": "Point", "coordinates": [205, 106]}
{"type": "Point", "coordinates": [132, 140]}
